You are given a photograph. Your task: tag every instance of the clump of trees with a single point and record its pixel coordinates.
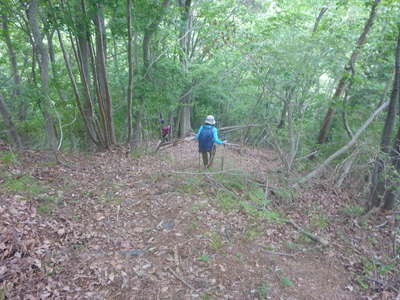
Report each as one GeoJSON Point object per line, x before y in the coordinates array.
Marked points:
{"type": "Point", "coordinates": [82, 74]}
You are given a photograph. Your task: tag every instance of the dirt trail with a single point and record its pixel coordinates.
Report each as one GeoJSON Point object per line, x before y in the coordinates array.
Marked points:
{"type": "Point", "coordinates": [110, 226]}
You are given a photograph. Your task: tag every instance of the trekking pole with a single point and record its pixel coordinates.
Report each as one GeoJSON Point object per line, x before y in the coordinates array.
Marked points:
{"type": "Point", "coordinates": [222, 158]}
{"type": "Point", "coordinates": [199, 160]}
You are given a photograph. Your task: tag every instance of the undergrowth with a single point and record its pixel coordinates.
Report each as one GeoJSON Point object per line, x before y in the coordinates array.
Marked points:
{"type": "Point", "coordinates": [239, 192]}
{"type": "Point", "coordinates": [24, 184]}
{"type": "Point", "coordinates": [31, 189]}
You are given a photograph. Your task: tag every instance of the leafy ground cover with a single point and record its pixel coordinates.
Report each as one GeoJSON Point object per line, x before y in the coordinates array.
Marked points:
{"type": "Point", "coordinates": [112, 226]}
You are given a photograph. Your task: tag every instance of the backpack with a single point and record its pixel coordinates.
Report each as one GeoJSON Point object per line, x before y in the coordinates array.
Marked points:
{"type": "Point", "coordinates": [206, 139]}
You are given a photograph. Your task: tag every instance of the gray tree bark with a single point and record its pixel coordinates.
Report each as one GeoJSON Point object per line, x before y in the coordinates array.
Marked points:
{"type": "Point", "coordinates": [382, 188]}
{"type": "Point", "coordinates": [323, 133]}
{"type": "Point", "coordinates": [148, 33]}
{"type": "Point", "coordinates": [130, 70]}
{"type": "Point", "coordinates": [43, 59]}
{"type": "Point", "coordinates": [101, 53]}
{"type": "Point", "coordinates": [12, 130]}
{"type": "Point", "coordinates": [14, 68]}
{"type": "Point", "coordinates": [185, 100]}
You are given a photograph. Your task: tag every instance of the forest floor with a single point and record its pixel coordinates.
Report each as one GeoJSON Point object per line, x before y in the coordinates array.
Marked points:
{"type": "Point", "coordinates": [112, 226]}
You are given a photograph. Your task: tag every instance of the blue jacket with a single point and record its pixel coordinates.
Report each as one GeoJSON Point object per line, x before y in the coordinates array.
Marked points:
{"type": "Point", "coordinates": [215, 134]}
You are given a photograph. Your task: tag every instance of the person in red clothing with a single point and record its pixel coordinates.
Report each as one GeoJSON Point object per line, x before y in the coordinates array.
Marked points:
{"type": "Point", "coordinates": [165, 131]}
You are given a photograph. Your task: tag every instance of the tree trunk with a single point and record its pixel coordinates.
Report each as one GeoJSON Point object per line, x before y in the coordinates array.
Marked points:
{"type": "Point", "coordinates": [14, 68]}
{"type": "Point", "coordinates": [49, 36]}
{"type": "Point", "coordinates": [283, 115]}
{"type": "Point", "coordinates": [13, 59]}
{"type": "Point", "coordinates": [43, 59]}
{"type": "Point", "coordinates": [184, 39]}
{"type": "Point", "coordinates": [101, 52]}
{"type": "Point", "coordinates": [185, 126]}
{"type": "Point", "coordinates": [12, 130]}
{"type": "Point", "coordinates": [346, 147]}
{"type": "Point", "coordinates": [148, 33]}
{"type": "Point", "coordinates": [381, 188]}
{"type": "Point", "coordinates": [323, 133]}
{"type": "Point", "coordinates": [390, 196]}
{"type": "Point", "coordinates": [82, 55]}
{"type": "Point", "coordinates": [318, 19]}
{"type": "Point", "coordinates": [130, 70]}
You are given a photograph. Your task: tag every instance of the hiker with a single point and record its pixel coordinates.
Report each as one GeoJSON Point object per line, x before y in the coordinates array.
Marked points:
{"type": "Point", "coordinates": [165, 131]}
{"type": "Point", "coordinates": [207, 136]}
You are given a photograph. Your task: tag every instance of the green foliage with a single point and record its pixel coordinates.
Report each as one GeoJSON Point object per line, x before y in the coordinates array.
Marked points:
{"type": "Point", "coordinates": [320, 222]}
{"type": "Point", "coordinates": [204, 258]}
{"type": "Point", "coordinates": [206, 297]}
{"type": "Point", "coordinates": [8, 157]}
{"type": "Point", "coordinates": [190, 185]}
{"type": "Point", "coordinates": [226, 201]}
{"type": "Point", "coordinates": [196, 207]}
{"type": "Point", "coordinates": [246, 60]}
{"type": "Point", "coordinates": [262, 291]}
{"type": "Point", "coordinates": [137, 153]}
{"type": "Point", "coordinates": [353, 210]}
{"type": "Point", "coordinates": [361, 283]}
{"type": "Point", "coordinates": [25, 184]}
{"type": "Point", "coordinates": [46, 204]}
{"type": "Point", "coordinates": [305, 239]}
{"type": "Point", "coordinates": [268, 215]}
{"type": "Point", "coordinates": [286, 282]}
{"type": "Point", "coordinates": [215, 240]}
{"type": "Point", "coordinates": [252, 233]}
{"type": "Point", "coordinates": [110, 195]}
{"type": "Point", "coordinates": [2, 293]}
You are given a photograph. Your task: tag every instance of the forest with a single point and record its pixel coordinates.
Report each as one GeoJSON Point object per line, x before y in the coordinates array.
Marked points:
{"type": "Point", "coordinates": [302, 201]}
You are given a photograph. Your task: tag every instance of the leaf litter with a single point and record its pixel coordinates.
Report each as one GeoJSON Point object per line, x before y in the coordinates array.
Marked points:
{"type": "Point", "coordinates": [125, 228]}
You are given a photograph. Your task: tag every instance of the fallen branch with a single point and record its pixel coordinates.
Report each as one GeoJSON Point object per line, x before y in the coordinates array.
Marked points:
{"type": "Point", "coordinates": [207, 173]}
{"type": "Point", "coordinates": [237, 127]}
{"type": "Point", "coordinates": [278, 253]}
{"type": "Point", "coordinates": [166, 145]}
{"type": "Point", "coordinates": [345, 147]}
{"type": "Point", "coordinates": [315, 238]}
{"type": "Point", "coordinates": [307, 155]}
{"type": "Point", "coordinates": [364, 218]}
{"type": "Point", "coordinates": [232, 145]}
{"type": "Point", "coordinates": [180, 279]}
{"type": "Point", "coordinates": [294, 254]}
{"type": "Point", "coordinates": [220, 185]}
{"type": "Point", "coordinates": [384, 285]}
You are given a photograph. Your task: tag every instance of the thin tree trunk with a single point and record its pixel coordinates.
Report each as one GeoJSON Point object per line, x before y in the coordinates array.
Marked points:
{"type": "Point", "coordinates": [49, 36]}
{"type": "Point", "coordinates": [12, 57]}
{"type": "Point", "coordinates": [393, 106]}
{"type": "Point", "coordinates": [87, 121]}
{"type": "Point", "coordinates": [379, 188]}
{"type": "Point", "coordinates": [184, 38]}
{"type": "Point", "coordinates": [345, 147]}
{"type": "Point", "coordinates": [323, 133]}
{"type": "Point", "coordinates": [130, 71]}
{"type": "Point", "coordinates": [44, 73]}
{"type": "Point", "coordinates": [102, 71]}
{"type": "Point", "coordinates": [148, 33]}
{"type": "Point", "coordinates": [283, 115]}
{"type": "Point", "coordinates": [294, 138]}
{"type": "Point", "coordinates": [103, 132]}
{"type": "Point", "coordinates": [14, 68]}
{"type": "Point", "coordinates": [390, 195]}
{"type": "Point", "coordinates": [82, 56]}
{"type": "Point", "coordinates": [12, 130]}
{"type": "Point", "coordinates": [318, 19]}
{"type": "Point", "coordinates": [344, 117]}
{"type": "Point", "coordinates": [185, 116]}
